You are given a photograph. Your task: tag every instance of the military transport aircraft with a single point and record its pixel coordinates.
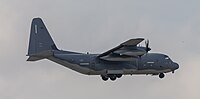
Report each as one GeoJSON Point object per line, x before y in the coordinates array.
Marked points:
{"type": "Point", "coordinates": [126, 59]}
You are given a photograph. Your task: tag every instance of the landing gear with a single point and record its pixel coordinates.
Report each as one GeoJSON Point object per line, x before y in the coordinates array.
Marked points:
{"type": "Point", "coordinates": [119, 75]}
{"type": "Point", "coordinates": [161, 75]}
{"type": "Point", "coordinates": [112, 77]}
{"type": "Point", "coordinates": [105, 78]}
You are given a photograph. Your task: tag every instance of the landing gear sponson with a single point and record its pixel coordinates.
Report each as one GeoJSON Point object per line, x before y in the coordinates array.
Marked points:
{"type": "Point", "coordinates": [113, 77]}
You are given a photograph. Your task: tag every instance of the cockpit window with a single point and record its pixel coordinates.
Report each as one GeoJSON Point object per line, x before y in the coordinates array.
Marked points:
{"type": "Point", "coordinates": [167, 58]}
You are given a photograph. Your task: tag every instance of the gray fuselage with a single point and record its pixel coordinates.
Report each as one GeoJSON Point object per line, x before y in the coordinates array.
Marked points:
{"type": "Point", "coordinates": [90, 64]}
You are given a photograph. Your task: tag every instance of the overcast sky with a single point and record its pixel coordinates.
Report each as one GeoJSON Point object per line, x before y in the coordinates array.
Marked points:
{"type": "Point", "coordinates": [172, 26]}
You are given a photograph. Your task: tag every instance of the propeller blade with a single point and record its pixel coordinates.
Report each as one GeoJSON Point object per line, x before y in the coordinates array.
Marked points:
{"type": "Point", "coordinates": [147, 46]}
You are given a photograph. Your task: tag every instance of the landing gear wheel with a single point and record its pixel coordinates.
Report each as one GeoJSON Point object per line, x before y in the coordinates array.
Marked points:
{"type": "Point", "coordinates": [113, 78]}
{"type": "Point", "coordinates": [161, 75]}
{"type": "Point", "coordinates": [105, 78]}
{"type": "Point", "coordinates": [119, 75]}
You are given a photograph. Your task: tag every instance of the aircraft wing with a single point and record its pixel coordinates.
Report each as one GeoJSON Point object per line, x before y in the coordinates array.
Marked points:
{"type": "Point", "coordinates": [124, 52]}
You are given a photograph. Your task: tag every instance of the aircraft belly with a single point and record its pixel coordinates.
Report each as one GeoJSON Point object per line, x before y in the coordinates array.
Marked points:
{"type": "Point", "coordinates": [146, 71]}
{"type": "Point", "coordinates": [130, 71]}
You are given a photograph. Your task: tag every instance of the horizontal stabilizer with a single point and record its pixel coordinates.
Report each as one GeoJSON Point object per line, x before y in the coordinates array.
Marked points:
{"type": "Point", "coordinates": [40, 55]}
{"type": "Point", "coordinates": [32, 58]}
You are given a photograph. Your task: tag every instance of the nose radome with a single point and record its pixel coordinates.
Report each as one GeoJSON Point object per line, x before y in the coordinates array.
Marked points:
{"type": "Point", "coordinates": [176, 65]}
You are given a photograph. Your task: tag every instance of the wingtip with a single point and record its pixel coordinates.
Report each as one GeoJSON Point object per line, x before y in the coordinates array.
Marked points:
{"type": "Point", "coordinates": [139, 38]}
{"type": "Point", "coordinates": [37, 18]}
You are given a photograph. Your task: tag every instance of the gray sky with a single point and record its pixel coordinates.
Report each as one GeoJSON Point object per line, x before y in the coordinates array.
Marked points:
{"type": "Point", "coordinates": [172, 26]}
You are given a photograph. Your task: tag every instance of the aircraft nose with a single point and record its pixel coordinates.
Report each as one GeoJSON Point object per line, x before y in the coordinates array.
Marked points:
{"type": "Point", "coordinates": [176, 66]}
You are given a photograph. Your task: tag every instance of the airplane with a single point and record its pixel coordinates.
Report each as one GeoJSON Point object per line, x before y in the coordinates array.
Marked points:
{"type": "Point", "coordinates": [128, 58]}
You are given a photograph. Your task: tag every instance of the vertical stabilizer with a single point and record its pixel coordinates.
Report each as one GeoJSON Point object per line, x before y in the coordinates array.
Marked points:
{"type": "Point", "coordinates": [40, 39]}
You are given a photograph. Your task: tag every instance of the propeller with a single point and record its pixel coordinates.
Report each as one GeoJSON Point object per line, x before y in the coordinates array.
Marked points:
{"type": "Point", "coordinates": [147, 46]}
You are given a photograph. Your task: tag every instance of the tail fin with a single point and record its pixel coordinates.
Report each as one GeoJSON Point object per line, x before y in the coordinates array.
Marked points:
{"type": "Point", "coordinates": [40, 44]}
